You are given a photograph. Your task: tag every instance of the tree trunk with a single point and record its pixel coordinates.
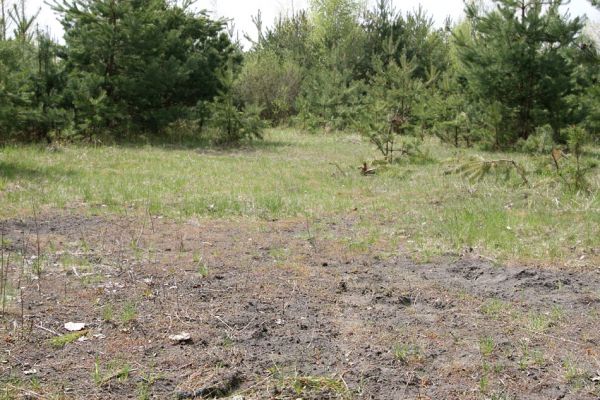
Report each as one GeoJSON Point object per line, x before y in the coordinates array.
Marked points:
{"type": "Point", "coordinates": [455, 136]}
{"type": "Point", "coordinates": [3, 20]}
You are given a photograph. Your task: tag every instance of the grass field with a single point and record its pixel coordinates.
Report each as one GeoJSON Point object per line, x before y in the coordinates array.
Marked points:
{"type": "Point", "coordinates": [413, 205]}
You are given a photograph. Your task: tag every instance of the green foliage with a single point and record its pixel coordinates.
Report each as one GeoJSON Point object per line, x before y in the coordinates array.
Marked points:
{"type": "Point", "coordinates": [521, 55]}
{"type": "Point", "coordinates": [139, 65]}
{"type": "Point", "coordinates": [271, 82]}
{"type": "Point", "coordinates": [156, 69]}
{"type": "Point", "coordinates": [453, 130]}
{"type": "Point", "coordinates": [22, 22]}
{"type": "Point", "coordinates": [335, 24]}
{"type": "Point", "coordinates": [126, 68]}
{"type": "Point", "coordinates": [476, 168]}
{"type": "Point", "coordinates": [129, 313]}
{"type": "Point", "coordinates": [574, 175]}
{"type": "Point", "coordinates": [61, 341]}
{"type": "Point", "coordinates": [31, 81]}
{"type": "Point", "coordinates": [389, 109]}
{"type": "Point", "coordinates": [407, 353]}
{"type": "Point", "coordinates": [486, 346]}
{"type": "Point", "coordinates": [587, 104]}
{"type": "Point", "coordinates": [229, 123]}
{"type": "Point", "coordinates": [328, 98]}
{"type": "Point", "coordinates": [446, 112]}
{"type": "Point", "coordinates": [15, 60]}
{"type": "Point", "coordinates": [3, 21]}
{"type": "Point", "coordinates": [540, 142]}
{"type": "Point", "coordinates": [413, 35]}
{"type": "Point", "coordinates": [52, 120]}
{"type": "Point", "coordinates": [289, 38]}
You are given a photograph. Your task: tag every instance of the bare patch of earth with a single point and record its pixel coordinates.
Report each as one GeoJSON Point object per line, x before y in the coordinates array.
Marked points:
{"type": "Point", "coordinates": [274, 312]}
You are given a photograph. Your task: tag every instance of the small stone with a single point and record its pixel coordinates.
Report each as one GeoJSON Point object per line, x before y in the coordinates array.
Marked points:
{"type": "Point", "coordinates": [183, 337]}
{"type": "Point", "coordinates": [74, 326]}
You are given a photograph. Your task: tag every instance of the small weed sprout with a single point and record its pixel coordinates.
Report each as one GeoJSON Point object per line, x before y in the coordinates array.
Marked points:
{"type": "Point", "coordinates": [6, 292]}
{"type": "Point", "coordinates": [406, 353]}
{"type": "Point", "coordinates": [123, 374]}
{"type": "Point", "coordinates": [114, 370]}
{"type": "Point", "coordinates": [303, 384]}
{"type": "Point", "coordinates": [486, 346]}
{"type": "Point", "coordinates": [309, 386]}
{"type": "Point", "coordinates": [539, 323]}
{"type": "Point", "coordinates": [538, 358]}
{"type": "Point", "coordinates": [37, 266]}
{"type": "Point", "coordinates": [574, 375]}
{"type": "Point", "coordinates": [202, 267]}
{"type": "Point", "coordinates": [144, 386]}
{"type": "Point", "coordinates": [501, 396]}
{"type": "Point", "coordinates": [96, 373]}
{"type": "Point", "coordinates": [493, 308]}
{"type": "Point", "coordinates": [227, 341]}
{"type": "Point", "coordinates": [484, 383]}
{"type": "Point", "coordinates": [108, 313]}
{"type": "Point", "coordinates": [128, 313]}
{"type": "Point", "coordinates": [557, 314]}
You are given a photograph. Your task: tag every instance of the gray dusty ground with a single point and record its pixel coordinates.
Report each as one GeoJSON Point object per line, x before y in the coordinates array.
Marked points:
{"type": "Point", "coordinates": [276, 313]}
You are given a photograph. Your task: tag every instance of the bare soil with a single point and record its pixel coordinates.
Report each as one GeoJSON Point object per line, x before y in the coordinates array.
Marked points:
{"type": "Point", "coordinates": [275, 311]}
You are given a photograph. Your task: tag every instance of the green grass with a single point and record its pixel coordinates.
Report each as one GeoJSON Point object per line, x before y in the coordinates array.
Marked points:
{"type": "Point", "coordinates": [574, 375]}
{"type": "Point", "coordinates": [128, 313]}
{"type": "Point", "coordinates": [201, 266]}
{"type": "Point", "coordinates": [495, 308]}
{"type": "Point", "coordinates": [114, 369]}
{"type": "Point", "coordinates": [407, 353]}
{"type": "Point", "coordinates": [61, 341]}
{"type": "Point", "coordinates": [295, 175]}
{"type": "Point", "coordinates": [108, 313]}
{"type": "Point", "coordinates": [486, 346]}
{"type": "Point", "coordinates": [310, 386]}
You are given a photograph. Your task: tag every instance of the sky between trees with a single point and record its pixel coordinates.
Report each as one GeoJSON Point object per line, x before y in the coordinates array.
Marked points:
{"type": "Point", "coordinates": [241, 11]}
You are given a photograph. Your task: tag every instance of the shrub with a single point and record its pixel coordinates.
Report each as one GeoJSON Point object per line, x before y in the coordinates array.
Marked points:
{"type": "Point", "coordinates": [272, 83]}
{"type": "Point", "coordinates": [540, 142]}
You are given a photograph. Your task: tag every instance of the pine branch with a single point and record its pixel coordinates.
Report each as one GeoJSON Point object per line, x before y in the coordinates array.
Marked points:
{"type": "Point", "coordinates": [477, 168]}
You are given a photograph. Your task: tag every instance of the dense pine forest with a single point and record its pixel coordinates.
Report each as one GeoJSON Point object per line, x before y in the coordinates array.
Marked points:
{"type": "Point", "coordinates": [519, 74]}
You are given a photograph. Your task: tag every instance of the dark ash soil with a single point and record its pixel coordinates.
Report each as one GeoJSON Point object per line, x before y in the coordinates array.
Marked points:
{"type": "Point", "coordinates": [274, 313]}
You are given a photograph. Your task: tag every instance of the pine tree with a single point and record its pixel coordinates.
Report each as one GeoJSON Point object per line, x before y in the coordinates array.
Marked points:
{"type": "Point", "coordinates": [520, 55]}
{"type": "Point", "coordinates": [231, 123]}
{"type": "Point", "coordinates": [144, 63]}
{"type": "Point", "coordinates": [390, 110]}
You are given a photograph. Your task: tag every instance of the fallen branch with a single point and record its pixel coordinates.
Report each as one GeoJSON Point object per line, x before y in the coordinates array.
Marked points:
{"type": "Point", "coordinates": [48, 330]}
{"type": "Point", "coordinates": [365, 170]}
{"type": "Point", "coordinates": [338, 168]}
